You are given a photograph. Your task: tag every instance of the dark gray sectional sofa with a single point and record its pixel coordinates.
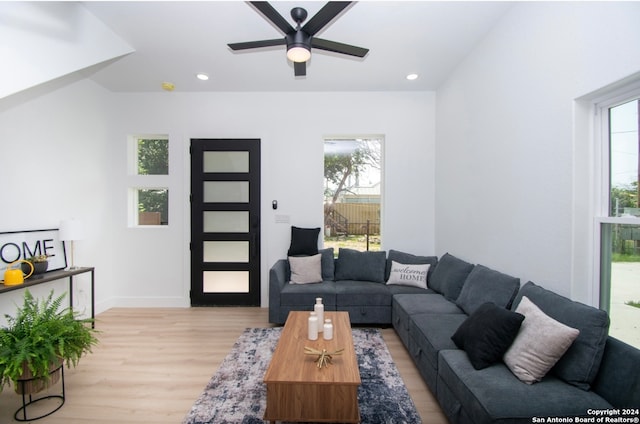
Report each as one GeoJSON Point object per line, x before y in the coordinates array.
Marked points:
{"type": "Point", "coordinates": [598, 374]}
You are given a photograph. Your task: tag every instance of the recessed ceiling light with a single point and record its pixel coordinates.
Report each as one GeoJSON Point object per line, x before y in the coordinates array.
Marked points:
{"type": "Point", "coordinates": [412, 77]}
{"type": "Point", "coordinates": [202, 76]}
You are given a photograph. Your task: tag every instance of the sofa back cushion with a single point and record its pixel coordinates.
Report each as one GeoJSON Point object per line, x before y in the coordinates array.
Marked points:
{"type": "Point", "coordinates": [618, 379]}
{"type": "Point", "coordinates": [360, 266]}
{"type": "Point", "coordinates": [539, 345]}
{"type": "Point", "coordinates": [409, 259]}
{"type": "Point", "coordinates": [449, 276]}
{"type": "Point", "coordinates": [328, 264]}
{"type": "Point", "coordinates": [579, 365]}
{"type": "Point", "coordinates": [304, 241]}
{"type": "Point", "coordinates": [487, 285]}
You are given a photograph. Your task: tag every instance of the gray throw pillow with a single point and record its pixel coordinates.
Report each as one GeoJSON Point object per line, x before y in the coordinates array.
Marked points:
{"type": "Point", "coordinates": [540, 343]}
{"type": "Point", "coordinates": [361, 266]}
{"type": "Point", "coordinates": [579, 365]}
{"type": "Point", "coordinates": [487, 285]}
{"type": "Point", "coordinates": [449, 276]}
{"type": "Point", "coordinates": [305, 269]}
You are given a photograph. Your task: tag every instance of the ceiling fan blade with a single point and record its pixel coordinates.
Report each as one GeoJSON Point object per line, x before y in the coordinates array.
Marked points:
{"type": "Point", "coordinates": [272, 14]}
{"type": "Point", "coordinates": [334, 46]}
{"type": "Point", "coordinates": [300, 69]}
{"type": "Point", "coordinates": [257, 44]}
{"type": "Point", "coordinates": [324, 16]}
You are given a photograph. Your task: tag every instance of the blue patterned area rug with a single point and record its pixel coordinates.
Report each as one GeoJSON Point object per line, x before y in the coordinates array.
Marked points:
{"type": "Point", "coordinates": [236, 393]}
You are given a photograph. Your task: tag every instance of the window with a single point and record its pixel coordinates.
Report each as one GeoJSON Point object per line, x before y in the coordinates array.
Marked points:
{"type": "Point", "coordinates": [619, 223]}
{"type": "Point", "coordinates": [352, 192]}
{"type": "Point", "coordinates": [149, 170]}
{"type": "Point", "coordinates": [152, 156]}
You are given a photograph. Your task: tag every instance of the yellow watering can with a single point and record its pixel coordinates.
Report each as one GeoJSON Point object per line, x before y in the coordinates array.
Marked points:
{"type": "Point", "coordinates": [13, 277]}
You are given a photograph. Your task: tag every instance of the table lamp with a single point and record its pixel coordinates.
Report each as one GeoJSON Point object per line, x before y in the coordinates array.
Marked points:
{"type": "Point", "coordinates": [71, 230]}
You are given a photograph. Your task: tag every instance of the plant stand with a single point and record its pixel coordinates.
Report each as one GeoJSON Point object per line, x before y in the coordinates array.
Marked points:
{"type": "Point", "coordinates": [32, 401]}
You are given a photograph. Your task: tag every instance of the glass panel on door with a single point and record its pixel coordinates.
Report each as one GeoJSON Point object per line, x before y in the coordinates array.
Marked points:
{"type": "Point", "coordinates": [225, 281]}
{"type": "Point", "coordinates": [226, 191]}
{"type": "Point", "coordinates": [226, 162]}
{"type": "Point", "coordinates": [226, 251]}
{"type": "Point", "coordinates": [226, 221]}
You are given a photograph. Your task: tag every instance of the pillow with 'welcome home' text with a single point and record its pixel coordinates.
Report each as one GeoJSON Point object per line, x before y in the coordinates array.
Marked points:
{"type": "Point", "coordinates": [408, 275]}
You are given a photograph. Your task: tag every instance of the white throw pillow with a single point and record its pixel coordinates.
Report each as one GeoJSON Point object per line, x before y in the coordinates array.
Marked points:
{"type": "Point", "coordinates": [540, 343]}
{"type": "Point", "coordinates": [408, 275]}
{"type": "Point", "coordinates": [306, 269]}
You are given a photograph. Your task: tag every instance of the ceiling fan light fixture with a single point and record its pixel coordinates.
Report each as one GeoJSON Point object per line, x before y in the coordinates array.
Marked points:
{"type": "Point", "coordinates": [298, 54]}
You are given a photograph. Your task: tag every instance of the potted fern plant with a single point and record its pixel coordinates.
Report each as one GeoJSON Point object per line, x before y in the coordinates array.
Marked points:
{"type": "Point", "coordinates": [38, 339]}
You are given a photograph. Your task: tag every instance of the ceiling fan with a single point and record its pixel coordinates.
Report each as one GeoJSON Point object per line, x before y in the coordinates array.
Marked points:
{"type": "Point", "coordinates": [300, 40]}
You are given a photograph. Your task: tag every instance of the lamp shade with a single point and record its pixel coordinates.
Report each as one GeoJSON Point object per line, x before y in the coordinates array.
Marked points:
{"type": "Point", "coordinates": [71, 229]}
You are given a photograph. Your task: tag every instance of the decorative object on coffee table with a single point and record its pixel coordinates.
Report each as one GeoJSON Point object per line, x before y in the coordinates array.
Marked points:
{"type": "Point", "coordinates": [324, 357]}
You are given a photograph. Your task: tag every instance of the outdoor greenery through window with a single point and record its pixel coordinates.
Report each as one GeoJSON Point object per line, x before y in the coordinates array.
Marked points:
{"type": "Point", "coordinates": [352, 193]}
{"type": "Point", "coordinates": [153, 206]}
{"type": "Point", "coordinates": [153, 157]}
{"type": "Point", "coordinates": [620, 236]}
{"type": "Point", "coordinates": [151, 201]}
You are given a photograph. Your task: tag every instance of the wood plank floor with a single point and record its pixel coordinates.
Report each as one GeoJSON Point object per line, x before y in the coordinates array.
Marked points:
{"type": "Point", "coordinates": [152, 364]}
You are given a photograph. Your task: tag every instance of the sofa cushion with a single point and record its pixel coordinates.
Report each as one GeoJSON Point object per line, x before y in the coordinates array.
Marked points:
{"type": "Point", "coordinates": [427, 303]}
{"type": "Point", "coordinates": [506, 399]}
{"type": "Point", "coordinates": [305, 269]}
{"type": "Point", "coordinates": [487, 334]}
{"type": "Point", "coordinates": [408, 275]}
{"type": "Point", "coordinates": [361, 293]}
{"type": "Point", "coordinates": [449, 276]}
{"type": "Point", "coordinates": [431, 333]}
{"type": "Point", "coordinates": [487, 285]}
{"type": "Point", "coordinates": [361, 266]}
{"type": "Point", "coordinates": [303, 296]}
{"type": "Point", "coordinates": [396, 289]}
{"type": "Point", "coordinates": [540, 343]}
{"type": "Point", "coordinates": [328, 263]}
{"type": "Point", "coordinates": [579, 365]}
{"type": "Point", "coordinates": [408, 258]}
{"type": "Point", "coordinates": [304, 241]}
{"type": "Point", "coordinates": [618, 379]}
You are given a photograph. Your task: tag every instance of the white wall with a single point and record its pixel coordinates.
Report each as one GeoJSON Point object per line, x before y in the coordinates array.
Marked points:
{"type": "Point", "coordinates": [69, 140]}
{"type": "Point", "coordinates": [291, 127]}
{"type": "Point", "coordinates": [505, 138]}
{"type": "Point", "coordinates": [53, 167]}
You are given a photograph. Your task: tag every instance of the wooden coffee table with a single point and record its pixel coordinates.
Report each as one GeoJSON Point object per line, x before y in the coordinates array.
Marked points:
{"type": "Point", "coordinates": [297, 390]}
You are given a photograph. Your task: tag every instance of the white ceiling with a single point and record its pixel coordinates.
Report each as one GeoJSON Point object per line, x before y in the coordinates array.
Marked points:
{"type": "Point", "coordinates": [174, 40]}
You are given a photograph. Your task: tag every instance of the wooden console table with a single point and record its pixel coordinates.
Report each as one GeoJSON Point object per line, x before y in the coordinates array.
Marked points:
{"type": "Point", "coordinates": [58, 275]}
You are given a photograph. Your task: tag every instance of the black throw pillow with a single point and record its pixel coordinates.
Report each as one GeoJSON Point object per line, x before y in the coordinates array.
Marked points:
{"type": "Point", "coordinates": [304, 241]}
{"type": "Point", "coordinates": [487, 334]}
